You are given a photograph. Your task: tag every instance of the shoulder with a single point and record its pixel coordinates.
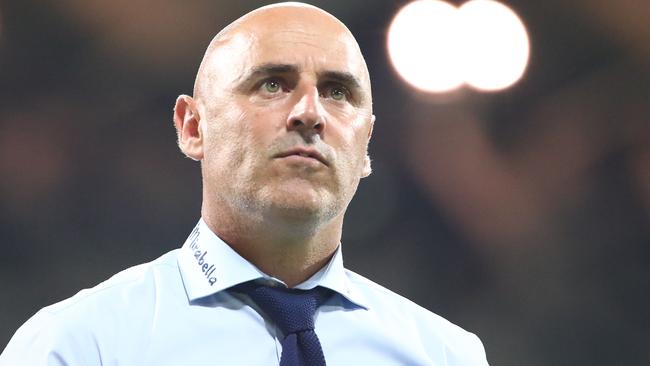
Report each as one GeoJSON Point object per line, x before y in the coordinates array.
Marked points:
{"type": "Point", "coordinates": [124, 289]}
{"type": "Point", "coordinates": [436, 333]}
{"type": "Point", "coordinates": [75, 329]}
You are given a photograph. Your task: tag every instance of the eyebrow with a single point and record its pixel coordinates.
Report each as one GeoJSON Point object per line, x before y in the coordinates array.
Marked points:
{"type": "Point", "coordinates": [343, 77]}
{"type": "Point", "coordinates": [265, 70]}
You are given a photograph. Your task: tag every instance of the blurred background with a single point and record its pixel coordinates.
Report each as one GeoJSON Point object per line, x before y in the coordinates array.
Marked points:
{"type": "Point", "coordinates": [521, 215]}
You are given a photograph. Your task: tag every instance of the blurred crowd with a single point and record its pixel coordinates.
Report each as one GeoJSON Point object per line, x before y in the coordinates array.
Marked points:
{"type": "Point", "coordinates": [521, 215]}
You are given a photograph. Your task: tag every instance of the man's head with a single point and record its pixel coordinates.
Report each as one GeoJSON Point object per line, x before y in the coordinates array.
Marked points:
{"type": "Point", "coordinates": [281, 116]}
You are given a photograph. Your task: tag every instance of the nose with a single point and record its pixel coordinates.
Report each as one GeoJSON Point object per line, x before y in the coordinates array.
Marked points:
{"type": "Point", "coordinates": [307, 115]}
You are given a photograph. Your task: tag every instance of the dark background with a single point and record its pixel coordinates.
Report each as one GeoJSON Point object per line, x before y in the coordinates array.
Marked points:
{"type": "Point", "coordinates": [520, 215]}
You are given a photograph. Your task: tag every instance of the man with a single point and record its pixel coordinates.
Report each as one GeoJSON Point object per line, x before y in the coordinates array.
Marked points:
{"type": "Point", "coordinates": [280, 119]}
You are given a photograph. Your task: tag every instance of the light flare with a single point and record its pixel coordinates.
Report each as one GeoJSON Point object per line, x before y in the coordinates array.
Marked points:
{"type": "Point", "coordinates": [437, 47]}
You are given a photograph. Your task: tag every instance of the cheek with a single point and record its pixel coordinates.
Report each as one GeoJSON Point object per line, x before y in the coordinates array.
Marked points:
{"type": "Point", "coordinates": [241, 143]}
{"type": "Point", "coordinates": [225, 137]}
{"type": "Point", "coordinates": [353, 140]}
{"type": "Point", "coordinates": [263, 127]}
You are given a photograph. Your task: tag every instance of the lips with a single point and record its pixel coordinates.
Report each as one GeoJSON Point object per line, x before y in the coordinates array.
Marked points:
{"type": "Point", "coordinates": [304, 152]}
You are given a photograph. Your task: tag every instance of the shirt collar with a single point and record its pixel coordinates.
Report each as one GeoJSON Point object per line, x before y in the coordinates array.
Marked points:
{"type": "Point", "coordinates": [334, 277]}
{"type": "Point", "coordinates": [208, 265]}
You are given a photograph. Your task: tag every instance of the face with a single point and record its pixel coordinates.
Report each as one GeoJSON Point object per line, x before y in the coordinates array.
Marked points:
{"type": "Point", "coordinates": [285, 117]}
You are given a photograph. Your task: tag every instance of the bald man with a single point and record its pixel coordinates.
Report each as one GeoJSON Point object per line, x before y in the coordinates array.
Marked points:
{"type": "Point", "coordinates": [280, 120]}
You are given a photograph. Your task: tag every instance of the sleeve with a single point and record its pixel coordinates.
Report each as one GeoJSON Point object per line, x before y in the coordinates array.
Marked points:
{"type": "Point", "coordinates": [48, 340]}
{"type": "Point", "coordinates": [468, 351]}
{"type": "Point", "coordinates": [478, 356]}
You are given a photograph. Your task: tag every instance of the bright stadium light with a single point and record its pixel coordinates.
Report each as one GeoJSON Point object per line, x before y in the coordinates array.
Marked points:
{"type": "Point", "coordinates": [422, 48]}
{"type": "Point", "coordinates": [437, 47]}
{"type": "Point", "coordinates": [495, 45]}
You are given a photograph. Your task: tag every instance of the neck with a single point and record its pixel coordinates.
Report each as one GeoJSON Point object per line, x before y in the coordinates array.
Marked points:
{"type": "Point", "coordinates": [289, 251]}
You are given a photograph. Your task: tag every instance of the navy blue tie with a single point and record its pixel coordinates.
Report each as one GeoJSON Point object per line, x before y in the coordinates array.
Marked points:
{"type": "Point", "coordinates": [293, 312]}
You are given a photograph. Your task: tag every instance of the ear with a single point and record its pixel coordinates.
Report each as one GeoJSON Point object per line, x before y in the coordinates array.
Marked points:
{"type": "Point", "coordinates": [187, 123]}
{"type": "Point", "coordinates": [367, 169]}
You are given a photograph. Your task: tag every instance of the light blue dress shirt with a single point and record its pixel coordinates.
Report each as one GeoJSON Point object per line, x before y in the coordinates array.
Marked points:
{"type": "Point", "coordinates": [177, 311]}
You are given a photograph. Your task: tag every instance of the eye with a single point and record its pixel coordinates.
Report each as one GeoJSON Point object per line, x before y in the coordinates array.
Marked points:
{"type": "Point", "coordinates": [272, 86]}
{"type": "Point", "coordinates": [337, 92]}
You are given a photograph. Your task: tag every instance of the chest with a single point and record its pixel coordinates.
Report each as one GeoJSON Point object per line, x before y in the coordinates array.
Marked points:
{"type": "Point", "coordinates": [222, 336]}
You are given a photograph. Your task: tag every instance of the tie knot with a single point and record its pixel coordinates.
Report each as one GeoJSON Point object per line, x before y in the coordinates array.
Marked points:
{"type": "Point", "coordinates": [292, 310]}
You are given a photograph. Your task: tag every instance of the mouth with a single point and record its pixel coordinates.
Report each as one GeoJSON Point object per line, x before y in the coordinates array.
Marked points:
{"type": "Point", "coordinates": [304, 153]}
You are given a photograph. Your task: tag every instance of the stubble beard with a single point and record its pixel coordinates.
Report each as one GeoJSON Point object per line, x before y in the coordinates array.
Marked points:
{"type": "Point", "coordinates": [299, 208]}
{"type": "Point", "coordinates": [256, 198]}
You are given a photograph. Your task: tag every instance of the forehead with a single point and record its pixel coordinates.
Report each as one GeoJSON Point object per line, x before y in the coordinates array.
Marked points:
{"type": "Point", "coordinates": [311, 42]}
{"type": "Point", "coordinates": [300, 42]}
{"type": "Point", "coordinates": [309, 49]}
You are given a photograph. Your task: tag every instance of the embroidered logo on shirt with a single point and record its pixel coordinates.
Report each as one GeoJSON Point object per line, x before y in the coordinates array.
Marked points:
{"type": "Point", "coordinates": [199, 255]}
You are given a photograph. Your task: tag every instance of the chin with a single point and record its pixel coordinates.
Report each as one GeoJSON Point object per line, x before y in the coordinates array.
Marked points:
{"type": "Point", "coordinates": [300, 204]}
{"type": "Point", "coordinates": [304, 204]}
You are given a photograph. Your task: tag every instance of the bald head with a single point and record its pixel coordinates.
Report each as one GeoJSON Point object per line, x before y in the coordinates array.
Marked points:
{"type": "Point", "coordinates": [280, 119]}
{"type": "Point", "coordinates": [294, 24]}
